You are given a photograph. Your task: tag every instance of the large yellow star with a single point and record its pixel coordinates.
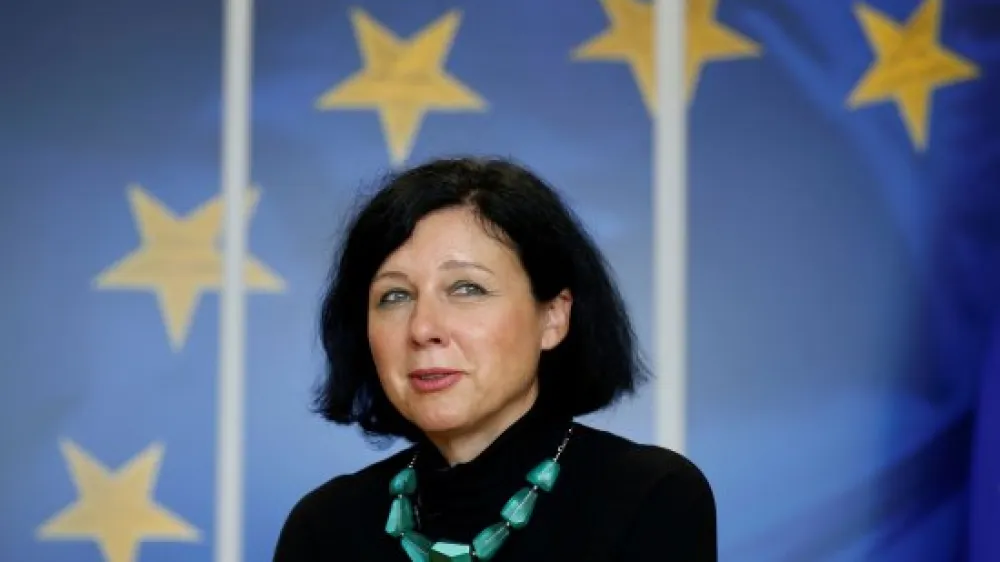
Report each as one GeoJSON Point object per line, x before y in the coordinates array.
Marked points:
{"type": "Point", "coordinates": [116, 509]}
{"type": "Point", "coordinates": [402, 79]}
{"type": "Point", "coordinates": [179, 258]}
{"type": "Point", "coordinates": [910, 63]}
{"type": "Point", "coordinates": [708, 41]}
{"type": "Point", "coordinates": [629, 38]}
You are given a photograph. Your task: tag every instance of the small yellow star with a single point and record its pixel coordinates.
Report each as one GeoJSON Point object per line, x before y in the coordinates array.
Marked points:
{"type": "Point", "coordinates": [630, 39]}
{"type": "Point", "coordinates": [910, 64]}
{"type": "Point", "coordinates": [116, 509]}
{"type": "Point", "coordinates": [402, 80]}
{"type": "Point", "coordinates": [179, 258]}
{"type": "Point", "coordinates": [708, 40]}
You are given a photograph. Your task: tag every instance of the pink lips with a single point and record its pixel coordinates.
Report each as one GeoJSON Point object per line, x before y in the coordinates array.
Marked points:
{"type": "Point", "coordinates": [434, 380]}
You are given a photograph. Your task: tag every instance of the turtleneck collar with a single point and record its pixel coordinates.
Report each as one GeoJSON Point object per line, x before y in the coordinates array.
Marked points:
{"type": "Point", "coordinates": [464, 498]}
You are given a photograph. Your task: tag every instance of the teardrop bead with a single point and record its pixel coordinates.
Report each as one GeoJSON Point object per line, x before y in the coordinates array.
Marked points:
{"type": "Point", "coordinates": [416, 546]}
{"type": "Point", "coordinates": [404, 483]}
{"type": "Point", "coordinates": [400, 517]}
{"type": "Point", "coordinates": [519, 507]}
{"type": "Point", "coordinates": [544, 475]}
{"type": "Point", "coordinates": [444, 551]}
{"type": "Point", "coordinates": [489, 540]}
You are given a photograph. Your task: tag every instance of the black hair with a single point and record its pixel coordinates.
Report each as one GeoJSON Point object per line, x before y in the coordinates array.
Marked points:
{"type": "Point", "coordinates": [597, 362]}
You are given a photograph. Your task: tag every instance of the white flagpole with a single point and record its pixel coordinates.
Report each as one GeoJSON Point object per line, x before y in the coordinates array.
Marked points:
{"type": "Point", "coordinates": [237, 60]}
{"type": "Point", "coordinates": [670, 225]}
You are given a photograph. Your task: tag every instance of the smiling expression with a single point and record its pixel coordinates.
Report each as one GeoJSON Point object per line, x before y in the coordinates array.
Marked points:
{"type": "Point", "coordinates": [454, 329]}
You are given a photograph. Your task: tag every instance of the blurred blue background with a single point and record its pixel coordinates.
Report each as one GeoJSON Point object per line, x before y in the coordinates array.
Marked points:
{"type": "Point", "coordinates": [843, 268]}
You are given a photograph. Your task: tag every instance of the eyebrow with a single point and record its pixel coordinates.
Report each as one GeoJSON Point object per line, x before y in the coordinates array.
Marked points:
{"type": "Point", "coordinates": [450, 264]}
{"type": "Point", "coordinates": [459, 264]}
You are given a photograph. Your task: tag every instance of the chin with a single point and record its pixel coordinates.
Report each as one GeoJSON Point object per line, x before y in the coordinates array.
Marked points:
{"type": "Point", "coordinates": [440, 420]}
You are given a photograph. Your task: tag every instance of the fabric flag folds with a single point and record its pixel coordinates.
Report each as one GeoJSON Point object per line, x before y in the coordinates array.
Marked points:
{"type": "Point", "coordinates": [845, 183]}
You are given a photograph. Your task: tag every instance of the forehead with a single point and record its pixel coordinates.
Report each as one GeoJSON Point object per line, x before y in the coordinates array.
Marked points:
{"type": "Point", "coordinates": [450, 234]}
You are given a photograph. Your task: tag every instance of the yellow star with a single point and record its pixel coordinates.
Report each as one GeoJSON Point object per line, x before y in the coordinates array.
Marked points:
{"type": "Point", "coordinates": [910, 63]}
{"type": "Point", "coordinates": [629, 39]}
{"type": "Point", "coordinates": [402, 80]}
{"type": "Point", "coordinates": [708, 40]}
{"type": "Point", "coordinates": [116, 509]}
{"type": "Point", "coordinates": [179, 258]}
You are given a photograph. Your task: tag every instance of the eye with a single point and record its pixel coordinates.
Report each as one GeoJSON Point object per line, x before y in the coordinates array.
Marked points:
{"type": "Point", "coordinates": [393, 296]}
{"type": "Point", "coordinates": [467, 288]}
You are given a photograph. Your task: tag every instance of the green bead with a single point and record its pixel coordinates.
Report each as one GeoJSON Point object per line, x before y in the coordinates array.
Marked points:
{"type": "Point", "coordinates": [400, 517]}
{"type": "Point", "coordinates": [404, 483]}
{"type": "Point", "coordinates": [544, 475]}
{"type": "Point", "coordinates": [444, 551]}
{"type": "Point", "coordinates": [416, 546]}
{"type": "Point", "coordinates": [518, 509]}
{"type": "Point", "coordinates": [489, 540]}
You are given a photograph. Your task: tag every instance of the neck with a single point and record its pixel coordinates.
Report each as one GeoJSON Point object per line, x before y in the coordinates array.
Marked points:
{"type": "Point", "coordinates": [462, 446]}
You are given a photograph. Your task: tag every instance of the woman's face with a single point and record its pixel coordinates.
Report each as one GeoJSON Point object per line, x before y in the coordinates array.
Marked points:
{"type": "Point", "coordinates": [454, 330]}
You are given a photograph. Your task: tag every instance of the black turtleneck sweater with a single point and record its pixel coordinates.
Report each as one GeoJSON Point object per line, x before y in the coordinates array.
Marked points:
{"type": "Point", "coordinates": [614, 500]}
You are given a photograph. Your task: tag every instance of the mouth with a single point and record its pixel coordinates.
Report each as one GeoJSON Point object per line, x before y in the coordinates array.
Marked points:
{"type": "Point", "coordinates": [434, 380]}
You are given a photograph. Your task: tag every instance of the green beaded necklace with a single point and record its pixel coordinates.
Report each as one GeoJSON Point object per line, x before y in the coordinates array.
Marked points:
{"type": "Point", "coordinates": [515, 513]}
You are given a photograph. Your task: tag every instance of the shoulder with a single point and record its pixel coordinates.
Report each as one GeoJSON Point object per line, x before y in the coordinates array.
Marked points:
{"type": "Point", "coordinates": [654, 474]}
{"type": "Point", "coordinates": [346, 490]}
{"type": "Point", "coordinates": [659, 492]}
{"type": "Point", "coordinates": [646, 462]}
{"type": "Point", "coordinates": [337, 504]}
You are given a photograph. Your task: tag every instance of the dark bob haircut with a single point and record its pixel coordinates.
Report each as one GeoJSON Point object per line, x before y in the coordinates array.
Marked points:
{"type": "Point", "coordinates": [597, 362]}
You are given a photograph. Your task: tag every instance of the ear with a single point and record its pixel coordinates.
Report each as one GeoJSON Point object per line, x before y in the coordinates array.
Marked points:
{"type": "Point", "coordinates": [555, 319]}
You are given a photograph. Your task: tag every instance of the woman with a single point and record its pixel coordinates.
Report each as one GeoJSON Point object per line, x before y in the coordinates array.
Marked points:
{"type": "Point", "coordinates": [470, 314]}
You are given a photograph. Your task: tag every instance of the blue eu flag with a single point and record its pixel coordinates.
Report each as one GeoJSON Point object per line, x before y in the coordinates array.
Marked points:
{"type": "Point", "coordinates": [867, 134]}
{"type": "Point", "coordinates": [924, 110]}
{"type": "Point", "coordinates": [986, 459]}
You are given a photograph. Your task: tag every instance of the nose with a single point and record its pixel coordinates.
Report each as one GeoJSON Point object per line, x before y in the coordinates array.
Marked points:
{"type": "Point", "coordinates": [427, 323]}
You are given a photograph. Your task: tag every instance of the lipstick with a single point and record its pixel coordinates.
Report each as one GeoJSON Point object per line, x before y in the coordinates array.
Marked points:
{"type": "Point", "coordinates": [434, 379]}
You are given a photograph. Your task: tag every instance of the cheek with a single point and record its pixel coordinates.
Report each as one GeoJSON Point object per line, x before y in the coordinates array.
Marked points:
{"type": "Point", "coordinates": [381, 340]}
{"type": "Point", "coordinates": [505, 337]}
